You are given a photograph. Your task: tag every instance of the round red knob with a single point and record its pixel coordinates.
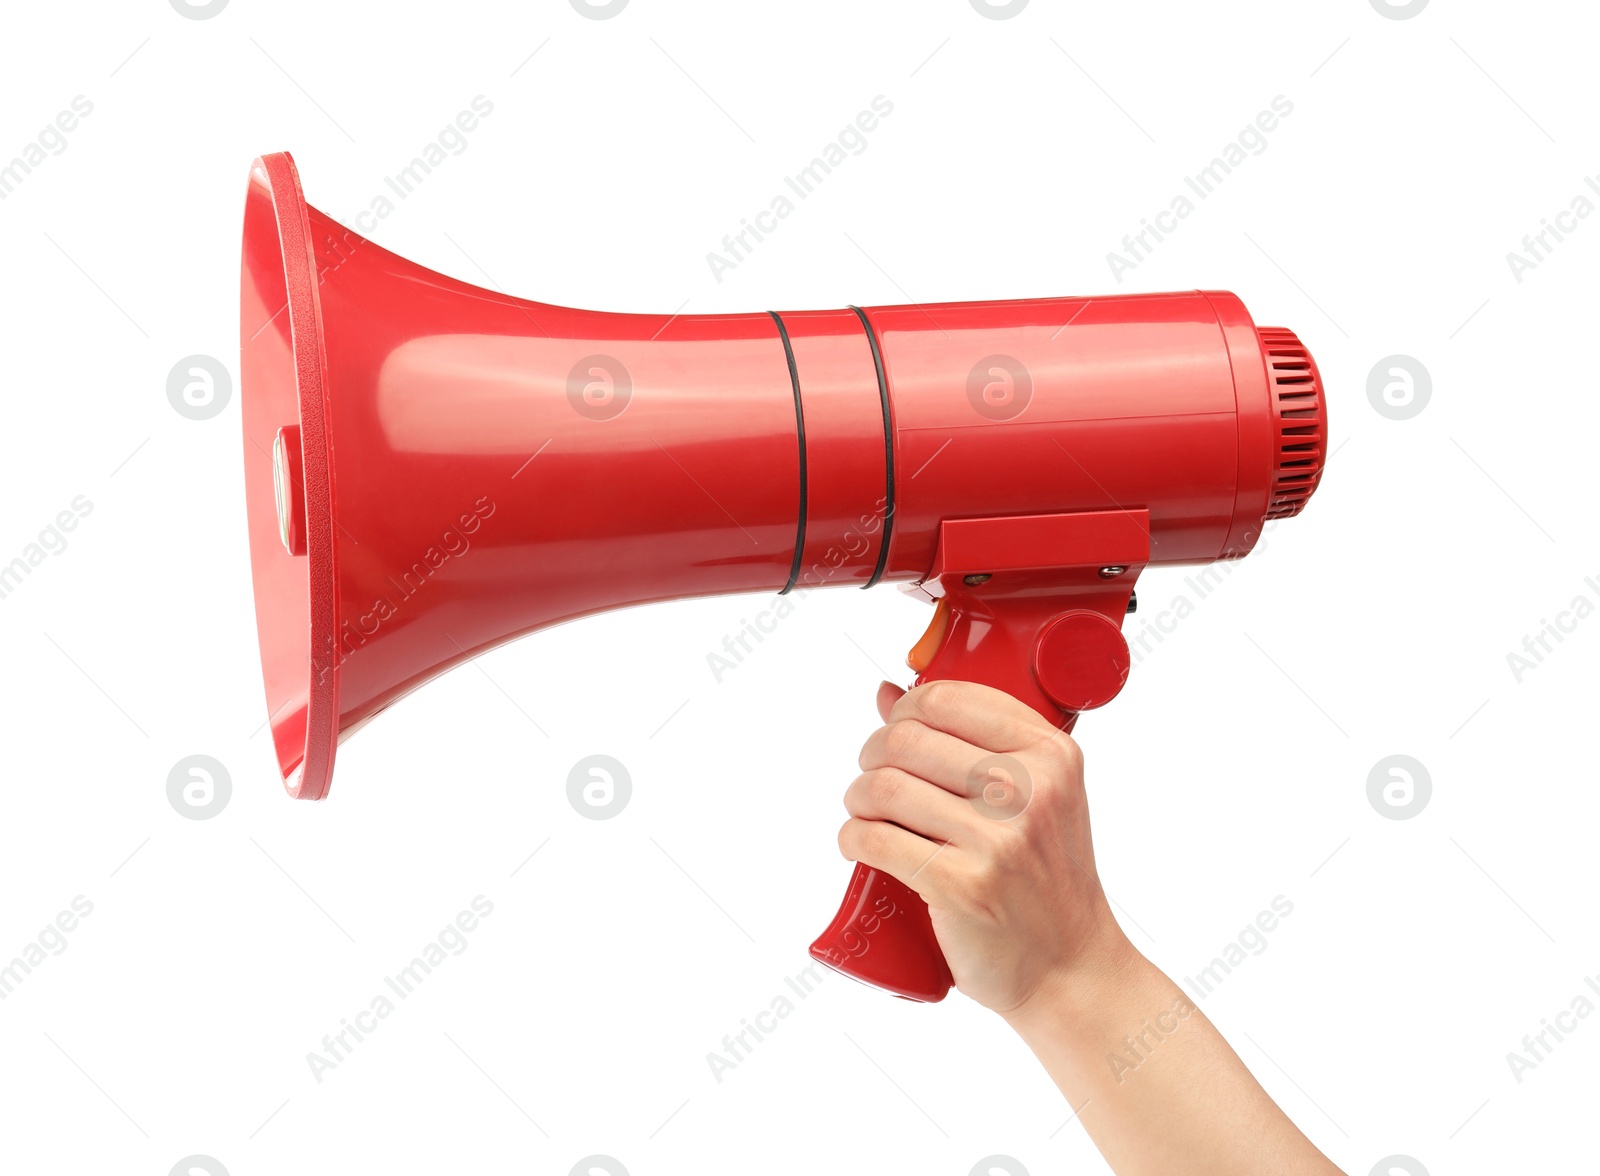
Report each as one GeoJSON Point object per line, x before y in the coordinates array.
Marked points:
{"type": "Point", "coordinates": [1081, 660]}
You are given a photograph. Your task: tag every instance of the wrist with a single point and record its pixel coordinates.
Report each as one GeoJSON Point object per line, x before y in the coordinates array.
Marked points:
{"type": "Point", "coordinates": [1094, 982]}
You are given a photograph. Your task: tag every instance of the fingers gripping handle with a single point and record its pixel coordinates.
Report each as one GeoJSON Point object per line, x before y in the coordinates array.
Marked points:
{"type": "Point", "coordinates": [1056, 650]}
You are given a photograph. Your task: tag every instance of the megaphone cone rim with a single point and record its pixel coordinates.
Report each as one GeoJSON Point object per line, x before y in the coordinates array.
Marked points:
{"type": "Point", "coordinates": [307, 775]}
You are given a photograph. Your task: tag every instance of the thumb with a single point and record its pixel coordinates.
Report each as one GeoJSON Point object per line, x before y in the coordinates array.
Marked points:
{"type": "Point", "coordinates": [888, 695]}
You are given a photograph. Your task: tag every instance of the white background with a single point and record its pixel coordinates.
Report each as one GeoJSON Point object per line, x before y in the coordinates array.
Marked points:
{"type": "Point", "coordinates": [1233, 769]}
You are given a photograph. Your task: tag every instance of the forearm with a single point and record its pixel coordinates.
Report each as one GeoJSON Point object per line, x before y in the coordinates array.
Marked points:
{"type": "Point", "coordinates": [1159, 1090]}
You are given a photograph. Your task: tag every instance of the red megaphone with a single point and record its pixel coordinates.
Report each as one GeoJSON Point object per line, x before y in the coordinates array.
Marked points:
{"type": "Point", "coordinates": [432, 469]}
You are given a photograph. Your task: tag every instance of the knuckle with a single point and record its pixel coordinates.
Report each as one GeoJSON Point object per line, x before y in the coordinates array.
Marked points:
{"type": "Point", "coordinates": [1042, 842]}
{"type": "Point", "coordinates": [874, 839]}
{"type": "Point", "coordinates": [885, 787]}
{"type": "Point", "coordinates": [939, 698]}
{"type": "Point", "coordinates": [1062, 753]}
{"type": "Point", "coordinates": [984, 884]}
{"type": "Point", "coordinates": [903, 739]}
{"type": "Point", "coordinates": [861, 839]}
{"type": "Point", "coordinates": [1074, 754]}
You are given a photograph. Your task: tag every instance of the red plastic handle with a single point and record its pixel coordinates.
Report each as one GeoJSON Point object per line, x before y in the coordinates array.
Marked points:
{"type": "Point", "coordinates": [1032, 637]}
{"type": "Point", "coordinates": [882, 936]}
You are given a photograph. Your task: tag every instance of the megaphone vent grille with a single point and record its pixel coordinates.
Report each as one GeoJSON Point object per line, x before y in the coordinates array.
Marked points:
{"type": "Point", "coordinates": [1300, 412]}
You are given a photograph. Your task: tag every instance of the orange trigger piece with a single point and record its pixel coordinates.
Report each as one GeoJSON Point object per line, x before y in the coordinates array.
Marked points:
{"type": "Point", "coordinates": [921, 655]}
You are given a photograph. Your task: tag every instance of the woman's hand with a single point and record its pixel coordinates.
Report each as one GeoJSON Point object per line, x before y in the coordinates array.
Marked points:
{"type": "Point", "coordinates": [976, 802]}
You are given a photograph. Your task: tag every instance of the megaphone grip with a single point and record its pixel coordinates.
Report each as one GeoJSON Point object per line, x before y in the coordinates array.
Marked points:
{"type": "Point", "coordinates": [883, 936]}
{"type": "Point", "coordinates": [1050, 637]}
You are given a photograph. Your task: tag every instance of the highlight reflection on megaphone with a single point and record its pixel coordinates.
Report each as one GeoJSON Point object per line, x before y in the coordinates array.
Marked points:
{"type": "Point", "coordinates": [1016, 463]}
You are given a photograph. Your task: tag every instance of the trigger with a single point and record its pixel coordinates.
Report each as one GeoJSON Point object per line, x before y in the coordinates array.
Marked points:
{"type": "Point", "coordinates": [921, 655]}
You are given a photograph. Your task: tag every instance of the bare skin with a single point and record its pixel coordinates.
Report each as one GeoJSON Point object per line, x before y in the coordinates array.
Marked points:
{"type": "Point", "coordinates": [977, 803]}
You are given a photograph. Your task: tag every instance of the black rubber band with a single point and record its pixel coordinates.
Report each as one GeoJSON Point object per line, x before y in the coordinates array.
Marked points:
{"type": "Point", "coordinates": [800, 429]}
{"type": "Point", "coordinates": [888, 449]}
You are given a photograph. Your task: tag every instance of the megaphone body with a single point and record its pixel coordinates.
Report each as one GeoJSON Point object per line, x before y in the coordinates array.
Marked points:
{"type": "Point", "coordinates": [433, 469]}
